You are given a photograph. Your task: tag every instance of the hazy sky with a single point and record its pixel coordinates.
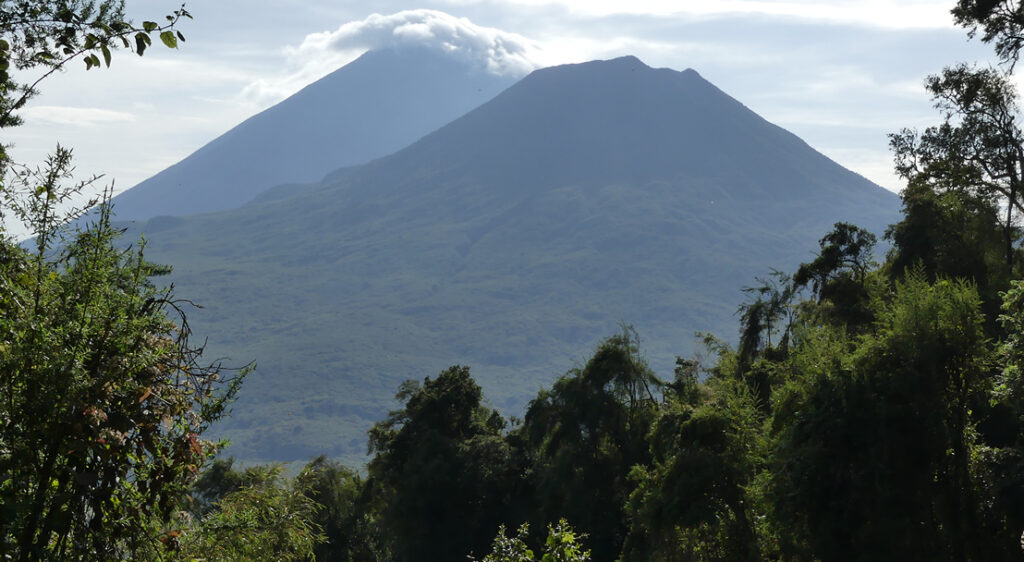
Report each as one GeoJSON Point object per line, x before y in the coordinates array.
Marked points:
{"type": "Point", "coordinates": [841, 74]}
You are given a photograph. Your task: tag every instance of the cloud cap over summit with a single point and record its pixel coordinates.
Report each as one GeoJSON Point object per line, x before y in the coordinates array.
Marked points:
{"type": "Point", "coordinates": [375, 105]}
{"type": "Point", "coordinates": [499, 52]}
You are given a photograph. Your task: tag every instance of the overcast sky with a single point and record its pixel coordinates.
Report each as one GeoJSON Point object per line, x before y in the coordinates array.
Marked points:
{"type": "Point", "coordinates": [840, 74]}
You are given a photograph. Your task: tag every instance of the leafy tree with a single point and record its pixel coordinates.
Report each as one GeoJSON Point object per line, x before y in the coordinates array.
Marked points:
{"type": "Point", "coordinates": [838, 276]}
{"type": "Point", "coordinates": [562, 545]}
{"type": "Point", "coordinates": [977, 152]}
{"type": "Point", "coordinates": [948, 234]}
{"type": "Point", "coordinates": [1001, 21]}
{"type": "Point", "coordinates": [217, 481]}
{"type": "Point", "coordinates": [441, 471]}
{"type": "Point", "coordinates": [46, 35]}
{"type": "Point", "coordinates": [585, 434]}
{"type": "Point", "coordinates": [103, 400]}
{"type": "Point", "coordinates": [692, 503]}
{"type": "Point", "coordinates": [1002, 431]}
{"type": "Point", "coordinates": [758, 317]}
{"type": "Point", "coordinates": [344, 514]}
{"type": "Point", "coordinates": [875, 453]}
{"type": "Point", "coordinates": [267, 519]}
{"type": "Point", "coordinates": [846, 250]}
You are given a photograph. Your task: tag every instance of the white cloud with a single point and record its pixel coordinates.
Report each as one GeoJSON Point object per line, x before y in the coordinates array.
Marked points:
{"type": "Point", "coordinates": [321, 53]}
{"type": "Point", "coordinates": [497, 51]}
{"type": "Point", "coordinates": [896, 14]}
{"type": "Point", "coordinates": [80, 116]}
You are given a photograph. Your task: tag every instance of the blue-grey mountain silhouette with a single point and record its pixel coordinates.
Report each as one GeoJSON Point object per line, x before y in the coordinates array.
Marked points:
{"type": "Point", "coordinates": [371, 107]}
{"type": "Point", "coordinates": [511, 240]}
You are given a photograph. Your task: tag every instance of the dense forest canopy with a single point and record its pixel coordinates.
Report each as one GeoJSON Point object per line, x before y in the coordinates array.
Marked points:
{"type": "Point", "coordinates": [872, 409]}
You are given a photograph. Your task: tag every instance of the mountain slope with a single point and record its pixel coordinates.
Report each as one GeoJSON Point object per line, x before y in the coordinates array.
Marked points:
{"type": "Point", "coordinates": [511, 240]}
{"type": "Point", "coordinates": [375, 105]}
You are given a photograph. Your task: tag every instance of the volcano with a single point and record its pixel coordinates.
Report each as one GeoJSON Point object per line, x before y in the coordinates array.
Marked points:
{"type": "Point", "coordinates": [512, 240]}
{"type": "Point", "coordinates": [371, 107]}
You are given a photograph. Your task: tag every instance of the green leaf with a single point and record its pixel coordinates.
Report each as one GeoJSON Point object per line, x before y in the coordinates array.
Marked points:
{"type": "Point", "coordinates": [149, 26]}
{"type": "Point", "coordinates": [141, 42]}
{"type": "Point", "coordinates": [169, 39]}
{"type": "Point", "coordinates": [106, 55]}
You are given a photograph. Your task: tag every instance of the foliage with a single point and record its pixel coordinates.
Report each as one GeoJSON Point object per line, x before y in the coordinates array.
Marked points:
{"type": "Point", "coordinates": [691, 503]}
{"type": "Point", "coordinates": [562, 545]}
{"type": "Point", "coordinates": [344, 515]}
{"type": "Point", "coordinates": [1000, 21]}
{"type": "Point", "coordinates": [267, 519]}
{"type": "Point", "coordinates": [965, 185]}
{"type": "Point", "coordinates": [48, 34]}
{"type": "Point", "coordinates": [839, 274]}
{"type": "Point", "coordinates": [104, 399]}
{"type": "Point", "coordinates": [584, 435]}
{"type": "Point", "coordinates": [441, 471]}
{"type": "Point", "coordinates": [879, 434]}
{"type": "Point", "coordinates": [772, 300]}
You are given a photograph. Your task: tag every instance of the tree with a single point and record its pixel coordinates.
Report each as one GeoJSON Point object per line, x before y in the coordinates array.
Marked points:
{"type": "Point", "coordinates": [692, 503]}
{"type": "Point", "coordinates": [562, 545]}
{"type": "Point", "coordinates": [772, 299]}
{"type": "Point", "coordinates": [838, 276]}
{"type": "Point", "coordinates": [344, 515]}
{"type": "Point", "coordinates": [584, 435]}
{"type": "Point", "coordinates": [46, 35]}
{"type": "Point", "coordinates": [441, 471]}
{"type": "Point", "coordinates": [266, 519]}
{"type": "Point", "coordinates": [1001, 21]}
{"type": "Point", "coordinates": [103, 399]}
{"type": "Point", "coordinates": [977, 152]}
{"type": "Point", "coordinates": [875, 452]}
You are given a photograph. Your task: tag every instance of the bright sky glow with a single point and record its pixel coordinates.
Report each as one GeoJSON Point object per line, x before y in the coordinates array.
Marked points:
{"type": "Point", "coordinates": [883, 13]}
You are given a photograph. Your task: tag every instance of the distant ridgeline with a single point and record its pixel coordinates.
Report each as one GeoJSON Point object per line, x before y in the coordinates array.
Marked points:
{"type": "Point", "coordinates": [369, 108]}
{"type": "Point", "coordinates": [512, 239]}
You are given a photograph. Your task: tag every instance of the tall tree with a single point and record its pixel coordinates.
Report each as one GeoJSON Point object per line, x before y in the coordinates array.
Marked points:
{"type": "Point", "coordinates": [1001, 21]}
{"type": "Point", "coordinates": [692, 503]}
{"type": "Point", "coordinates": [441, 470]}
{"type": "Point", "coordinates": [103, 400]}
{"type": "Point", "coordinates": [344, 514]}
{"type": "Point", "coordinates": [267, 518]}
{"type": "Point", "coordinates": [977, 152]}
{"type": "Point", "coordinates": [875, 449]}
{"type": "Point", "coordinates": [585, 434]}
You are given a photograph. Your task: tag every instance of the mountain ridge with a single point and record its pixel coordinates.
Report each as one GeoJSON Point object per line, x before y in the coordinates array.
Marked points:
{"type": "Point", "coordinates": [378, 103]}
{"type": "Point", "coordinates": [511, 239]}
